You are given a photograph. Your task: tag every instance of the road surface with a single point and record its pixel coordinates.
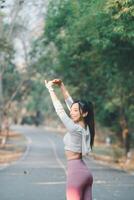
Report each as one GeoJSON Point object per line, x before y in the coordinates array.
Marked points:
{"type": "Point", "coordinates": [41, 172]}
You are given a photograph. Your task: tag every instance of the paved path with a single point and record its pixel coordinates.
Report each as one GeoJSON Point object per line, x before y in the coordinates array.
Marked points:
{"type": "Point", "coordinates": [41, 173]}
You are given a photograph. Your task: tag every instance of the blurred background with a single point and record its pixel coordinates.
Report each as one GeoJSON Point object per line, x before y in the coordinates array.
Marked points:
{"type": "Point", "coordinates": [87, 44]}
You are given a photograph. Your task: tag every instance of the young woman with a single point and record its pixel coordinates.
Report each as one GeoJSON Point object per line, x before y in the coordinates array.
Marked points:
{"type": "Point", "coordinates": [78, 141]}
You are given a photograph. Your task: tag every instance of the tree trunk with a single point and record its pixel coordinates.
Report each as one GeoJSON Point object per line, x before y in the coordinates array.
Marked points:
{"type": "Point", "coordinates": [1, 102]}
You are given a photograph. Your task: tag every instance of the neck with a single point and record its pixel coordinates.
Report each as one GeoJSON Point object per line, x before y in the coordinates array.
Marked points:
{"type": "Point", "coordinates": [81, 123]}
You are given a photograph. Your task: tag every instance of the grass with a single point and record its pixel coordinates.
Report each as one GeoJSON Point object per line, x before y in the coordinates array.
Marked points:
{"type": "Point", "coordinates": [13, 148]}
{"type": "Point", "coordinates": [115, 155]}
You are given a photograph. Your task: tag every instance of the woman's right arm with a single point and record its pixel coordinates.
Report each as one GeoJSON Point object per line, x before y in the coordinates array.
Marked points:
{"type": "Point", "coordinates": [68, 99]}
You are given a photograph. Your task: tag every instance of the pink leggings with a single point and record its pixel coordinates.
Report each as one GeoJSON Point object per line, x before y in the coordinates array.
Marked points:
{"type": "Point", "coordinates": [79, 181]}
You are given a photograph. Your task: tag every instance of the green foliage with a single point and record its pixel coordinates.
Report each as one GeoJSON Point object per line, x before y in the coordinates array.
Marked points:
{"type": "Point", "coordinates": [92, 45]}
{"type": "Point", "coordinates": [11, 80]}
{"type": "Point", "coordinates": [37, 93]}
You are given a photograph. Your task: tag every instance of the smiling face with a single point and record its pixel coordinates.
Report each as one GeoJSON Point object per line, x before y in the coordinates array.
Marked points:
{"type": "Point", "coordinates": [75, 113]}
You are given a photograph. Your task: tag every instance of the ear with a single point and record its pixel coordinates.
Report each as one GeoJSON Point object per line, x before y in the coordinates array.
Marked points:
{"type": "Point", "coordinates": [85, 114]}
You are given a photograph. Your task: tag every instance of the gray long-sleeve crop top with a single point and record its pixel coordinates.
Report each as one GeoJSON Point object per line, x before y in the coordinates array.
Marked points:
{"type": "Point", "coordinates": [77, 139]}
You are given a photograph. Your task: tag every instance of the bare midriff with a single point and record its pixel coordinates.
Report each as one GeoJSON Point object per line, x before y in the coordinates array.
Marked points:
{"type": "Point", "coordinates": [70, 155]}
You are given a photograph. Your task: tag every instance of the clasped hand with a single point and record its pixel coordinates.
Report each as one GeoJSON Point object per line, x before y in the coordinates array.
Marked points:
{"type": "Point", "coordinates": [49, 84]}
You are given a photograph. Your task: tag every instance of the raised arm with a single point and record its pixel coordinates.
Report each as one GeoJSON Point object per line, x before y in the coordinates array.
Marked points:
{"type": "Point", "coordinates": [67, 121]}
{"type": "Point", "coordinates": [68, 99]}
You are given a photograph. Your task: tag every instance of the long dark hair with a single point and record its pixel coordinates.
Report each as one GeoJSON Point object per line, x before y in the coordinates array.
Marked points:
{"type": "Point", "coordinates": [87, 106]}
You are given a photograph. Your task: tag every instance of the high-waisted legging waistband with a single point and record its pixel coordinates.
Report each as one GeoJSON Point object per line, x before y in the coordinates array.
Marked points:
{"type": "Point", "coordinates": [79, 162]}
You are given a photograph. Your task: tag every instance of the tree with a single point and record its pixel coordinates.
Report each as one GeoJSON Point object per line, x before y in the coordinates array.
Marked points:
{"type": "Point", "coordinates": [94, 48]}
{"type": "Point", "coordinates": [6, 49]}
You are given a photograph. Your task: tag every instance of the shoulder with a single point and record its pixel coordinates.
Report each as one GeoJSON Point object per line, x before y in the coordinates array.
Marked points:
{"type": "Point", "coordinates": [78, 128]}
